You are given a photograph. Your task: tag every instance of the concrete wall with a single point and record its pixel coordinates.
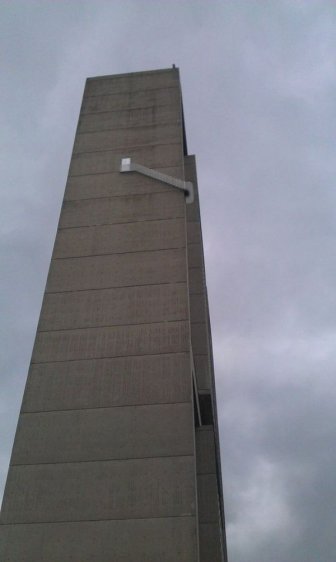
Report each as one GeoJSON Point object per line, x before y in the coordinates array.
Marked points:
{"type": "Point", "coordinates": [105, 464]}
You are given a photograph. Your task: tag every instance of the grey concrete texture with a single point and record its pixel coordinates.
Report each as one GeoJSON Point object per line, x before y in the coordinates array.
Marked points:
{"type": "Point", "coordinates": [124, 137]}
{"type": "Point", "coordinates": [195, 257]}
{"type": "Point", "coordinates": [210, 543]}
{"type": "Point", "coordinates": [144, 116]}
{"type": "Point", "coordinates": [205, 450]}
{"type": "Point", "coordinates": [126, 83]}
{"type": "Point", "coordinates": [91, 491]}
{"type": "Point", "coordinates": [101, 162]}
{"type": "Point", "coordinates": [208, 504]}
{"type": "Point", "coordinates": [103, 383]}
{"type": "Point", "coordinates": [120, 238]}
{"type": "Point", "coordinates": [139, 99]}
{"type": "Point", "coordinates": [202, 371]}
{"type": "Point", "coordinates": [199, 338]}
{"type": "Point", "coordinates": [117, 341]}
{"type": "Point", "coordinates": [127, 432]}
{"type": "Point", "coordinates": [194, 234]}
{"type": "Point", "coordinates": [113, 307]}
{"type": "Point", "coordinates": [168, 539]}
{"type": "Point", "coordinates": [196, 280]}
{"type": "Point", "coordinates": [113, 184]}
{"type": "Point", "coordinates": [117, 270]}
{"type": "Point", "coordinates": [131, 208]}
{"type": "Point", "coordinates": [198, 310]}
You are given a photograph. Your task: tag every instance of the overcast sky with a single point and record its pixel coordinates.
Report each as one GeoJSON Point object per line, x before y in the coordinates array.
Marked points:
{"type": "Point", "coordinates": [259, 89]}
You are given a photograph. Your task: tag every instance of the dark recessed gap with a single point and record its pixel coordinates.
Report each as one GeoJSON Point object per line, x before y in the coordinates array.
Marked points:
{"type": "Point", "coordinates": [205, 404]}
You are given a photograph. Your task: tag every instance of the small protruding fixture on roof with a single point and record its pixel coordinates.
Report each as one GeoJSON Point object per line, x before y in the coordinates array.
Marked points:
{"type": "Point", "coordinates": [186, 186]}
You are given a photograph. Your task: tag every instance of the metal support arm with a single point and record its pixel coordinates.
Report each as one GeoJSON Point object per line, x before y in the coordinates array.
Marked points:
{"type": "Point", "coordinates": [186, 186]}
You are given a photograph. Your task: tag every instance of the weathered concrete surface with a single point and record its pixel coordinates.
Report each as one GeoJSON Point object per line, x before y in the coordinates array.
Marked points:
{"type": "Point", "coordinates": [102, 383]}
{"type": "Point", "coordinates": [153, 97]}
{"type": "Point", "coordinates": [202, 371]}
{"type": "Point", "coordinates": [205, 450]}
{"type": "Point", "coordinates": [114, 184]}
{"type": "Point", "coordinates": [88, 491]}
{"type": "Point", "coordinates": [165, 539]}
{"type": "Point", "coordinates": [131, 208]}
{"type": "Point", "coordinates": [118, 270]}
{"type": "Point", "coordinates": [210, 543]}
{"type": "Point", "coordinates": [120, 238]}
{"type": "Point", "coordinates": [155, 156]}
{"type": "Point", "coordinates": [104, 434]}
{"type": "Point", "coordinates": [113, 307]}
{"type": "Point", "coordinates": [132, 82]}
{"type": "Point", "coordinates": [207, 498]}
{"type": "Point", "coordinates": [116, 341]}
{"type": "Point", "coordinates": [131, 136]}
{"type": "Point", "coordinates": [130, 118]}
{"type": "Point", "coordinates": [104, 462]}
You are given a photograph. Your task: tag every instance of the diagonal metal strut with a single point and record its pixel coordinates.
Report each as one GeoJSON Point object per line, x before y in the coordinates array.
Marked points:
{"type": "Point", "coordinates": [186, 186]}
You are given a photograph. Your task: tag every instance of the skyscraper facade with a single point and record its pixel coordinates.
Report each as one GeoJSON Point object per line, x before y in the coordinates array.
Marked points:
{"type": "Point", "coordinates": [116, 455]}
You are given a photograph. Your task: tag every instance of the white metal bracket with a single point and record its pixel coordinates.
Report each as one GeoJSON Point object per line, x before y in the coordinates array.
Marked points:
{"type": "Point", "coordinates": [186, 186]}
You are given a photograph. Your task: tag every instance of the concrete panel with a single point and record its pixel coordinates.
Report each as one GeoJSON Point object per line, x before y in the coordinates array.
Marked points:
{"type": "Point", "coordinates": [156, 156]}
{"type": "Point", "coordinates": [130, 489]}
{"type": "Point", "coordinates": [208, 506]}
{"type": "Point", "coordinates": [114, 183]}
{"type": "Point", "coordinates": [197, 308]}
{"type": "Point", "coordinates": [137, 540]}
{"type": "Point", "coordinates": [194, 233]}
{"type": "Point", "coordinates": [131, 208]}
{"type": "Point", "coordinates": [202, 371]}
{"type": "Point", "coordinates": [199, 338]}
{"type": "Point", "coordinates": [104, 434]}
{"type": "Point", "coordinates": [119, 341]}
{"type": "Point", "coordinates": [131, 82]}
{"type": "Point", "coordinates": [132, 100]}
{"type": "Point", "coordinates": [124, 137]}
{"type": "Point", "coordinates": [120, 238]}
{"type": "Point", "coordinates": [196, 280]}
{"type": "Point", "coordinates": [195, 255]}
{"type": "Point", "coordinates": [210, 543]}
{"type": "Point", "coordinates": [137, 117]}
{"type": "Point", "coordinates": [113, 307]}
{"type": "Point", "coordinates": [118, 270]}
{"type": "Point", "coordinates": [102, 383]}
{"type": "Point", "coordinates": [205, 450]}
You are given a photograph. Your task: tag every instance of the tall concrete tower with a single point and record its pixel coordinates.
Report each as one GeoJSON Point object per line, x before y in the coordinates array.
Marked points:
{"type": "Point", "coordinates": [116, 456]}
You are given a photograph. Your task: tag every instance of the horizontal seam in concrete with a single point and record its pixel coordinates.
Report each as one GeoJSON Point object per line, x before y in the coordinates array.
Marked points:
{"type": "Point", "coordinates": [114, 223]}
{"type": "Point", "coordinates": [123, 148]}
{"type": "Point", "coordinates": [115, 287]}
{"type": "Point", "coordinates": [166, 353]}
{"type": "Point", "coordinates": [184, 456]}
{"type": "Point", "coordinates": [163, 190]}
{"type": "Point", "coordinates": [131, 92]}
{"type": "Point", "coordinates": [111, 326]}
{"type": "Point", "coordinates": [189, 516]}
{"type": "Point", "coordinates": [133, 195]}
{"type": "Point", "coordinates": [121, 254]}
{"type": "Point", "coordinates": [117, 172]}
{"type": "Point", "coordinates": [121, 223]}
{"type": "Point", "coordinates": [94, 461]}
{"type": "Point", "coordinates": [187, 351]}
{"type": "Point", "coordinates": [158, 404]}
{"type": "Point", "coordinates": [127, 110]}
{"type": "Point", "coordinates": [130, 127]}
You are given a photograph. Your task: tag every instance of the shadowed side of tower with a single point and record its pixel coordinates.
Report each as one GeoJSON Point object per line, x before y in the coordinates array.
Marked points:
{"type": "Point", "coordinates": [116, 455]}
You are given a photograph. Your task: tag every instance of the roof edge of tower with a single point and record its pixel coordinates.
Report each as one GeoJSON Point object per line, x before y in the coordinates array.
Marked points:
{"type": "Point", "coordinates": [138, 73]}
